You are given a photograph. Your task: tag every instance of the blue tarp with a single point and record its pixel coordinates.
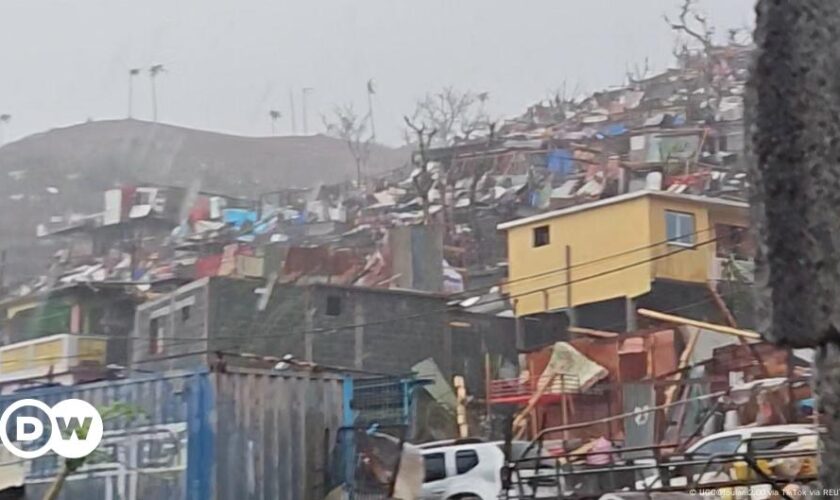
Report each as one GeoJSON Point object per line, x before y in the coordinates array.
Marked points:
{"type": "Point", "coordinates": [561, 161]}
{"type": "Point", "coordinates": [613, 130]}
{"type": "Point", "coordinates": [237, 217]}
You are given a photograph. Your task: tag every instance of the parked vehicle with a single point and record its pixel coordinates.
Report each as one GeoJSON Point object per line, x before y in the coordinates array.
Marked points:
{"type": "Point", "coordinates": [466, 469]}
{"type": "Point", "coordinates": [750, 456]}
{"type": "Point", "coordinates": [746, 440]}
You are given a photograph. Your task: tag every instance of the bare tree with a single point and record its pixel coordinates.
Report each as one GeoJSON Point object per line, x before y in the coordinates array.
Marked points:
{"type": "Point", "coordinates": [452, 114]}
{"type": "Point", "coordinates": [423, 180]}
{"type": "Point", "coordinates": [694, 26]}
{"type": "Point", "coordinates": [440, 119]}
{"type": "Point", "coordinates": [348, 126]}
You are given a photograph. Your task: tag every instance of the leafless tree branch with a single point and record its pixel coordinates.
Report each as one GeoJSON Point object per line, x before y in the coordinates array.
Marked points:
{"type": "Point", "coordinates": [350, 127]}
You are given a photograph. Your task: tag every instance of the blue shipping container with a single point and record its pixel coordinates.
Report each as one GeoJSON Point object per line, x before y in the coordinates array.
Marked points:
{"type": "Point", "coordinates": [243, 434]}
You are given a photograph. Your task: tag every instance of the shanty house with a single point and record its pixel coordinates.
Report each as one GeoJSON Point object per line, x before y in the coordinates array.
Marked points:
{"type": "Point", "coordinates": [595, 261]}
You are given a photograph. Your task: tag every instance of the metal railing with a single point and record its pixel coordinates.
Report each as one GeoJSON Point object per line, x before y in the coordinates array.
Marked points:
{"type": "Point", "coordinates": [559, 477]}
{"type": "Point", "coordinates": [562, 383]}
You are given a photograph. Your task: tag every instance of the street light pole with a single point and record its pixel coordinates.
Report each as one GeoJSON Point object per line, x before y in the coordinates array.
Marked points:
{"type": "Point", "coordinates": [131, 74]}
{"type": "Point", "coordinates": [304, 92]}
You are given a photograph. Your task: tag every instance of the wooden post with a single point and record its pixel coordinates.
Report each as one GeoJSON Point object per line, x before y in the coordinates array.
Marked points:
{"type": "Point", "coordinates": [791, 407]}
{"type": "Point", "coordinates": [532, 403]}
{"type": "Point", "coordinates": [570, 308]}
{"type": "Point", "coordinates": [358, 335]}
{"type": "Point", "coordinates": [308, 325]}
{"type": "Point", "coordinates": [461, 415]}
{"type": "Point", "coordinates": [487, 384]}
{"type": "Point", "coordinates": [630, 314]}
{"type": "Point", "coordinates": [565, 408]}
{"type": "Point", "coordinates": [685, 358]}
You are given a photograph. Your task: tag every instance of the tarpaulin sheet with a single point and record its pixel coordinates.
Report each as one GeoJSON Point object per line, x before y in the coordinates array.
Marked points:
{"type": "Point", "coordinates": [567, 360]}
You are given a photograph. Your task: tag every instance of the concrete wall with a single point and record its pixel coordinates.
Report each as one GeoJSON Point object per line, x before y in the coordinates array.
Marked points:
{"type": "Point", "coordinates": [384, 331]}
{"type": "Point", "coordinates": [417, 253]}
{"type": "Point", "coordinates": [180, 318]}
{"type": "Point", "coordinates": [400, 329]}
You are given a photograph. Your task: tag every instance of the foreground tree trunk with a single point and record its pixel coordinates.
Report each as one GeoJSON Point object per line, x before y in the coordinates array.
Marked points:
{"type": "Point", "coordinates": [57, 484]}
{"type": "Point", "coordinates": [793, 118]}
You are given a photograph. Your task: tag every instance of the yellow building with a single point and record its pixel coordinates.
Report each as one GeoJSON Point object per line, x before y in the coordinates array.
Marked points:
{"type": "Point", "coordinates": [618, 247]}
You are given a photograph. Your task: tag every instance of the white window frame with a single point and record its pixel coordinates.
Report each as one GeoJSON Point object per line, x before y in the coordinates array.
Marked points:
{"type": "Point", "coordinates": [680, 219]}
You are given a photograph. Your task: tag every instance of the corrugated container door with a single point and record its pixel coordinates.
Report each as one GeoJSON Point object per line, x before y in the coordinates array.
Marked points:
{"type": "Point", "coordinates": [160, 448]}
{"type": "Point", "coordinates": [274, 434]}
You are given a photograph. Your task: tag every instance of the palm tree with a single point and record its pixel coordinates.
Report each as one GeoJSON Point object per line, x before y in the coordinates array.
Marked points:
{"type": "Point", "coordinates": [5, 118]}
{"type": "Point", "coordinates": [131, 74]}
{"type": "Point", "coordinates": [154, 71]}
{"type": "Point", "coordinates": [275, 115]}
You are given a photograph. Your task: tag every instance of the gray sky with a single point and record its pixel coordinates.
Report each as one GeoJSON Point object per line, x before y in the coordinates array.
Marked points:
{"type": "Point", "coordinates": [230, 61]}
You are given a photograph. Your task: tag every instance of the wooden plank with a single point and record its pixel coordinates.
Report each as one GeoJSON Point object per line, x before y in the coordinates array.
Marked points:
{"type": "Point", "coordinates": [461, 395]}
{"type": "Point", "coordinates": [592, 333]}
{"type": "Point", "coordinates": [731, 321]}
{"type": "Point", "coordinates": [522, 418]}
{"type": "Point", "coordinates": [679, 320]}
{"type": "Point", "coordinates": [684, 359]}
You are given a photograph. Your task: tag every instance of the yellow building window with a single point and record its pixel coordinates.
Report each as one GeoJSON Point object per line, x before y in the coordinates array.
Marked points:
{"type": "Point", "coordinates": [541, 236]}
{"type": "Point", "coordinates": [680, 228]}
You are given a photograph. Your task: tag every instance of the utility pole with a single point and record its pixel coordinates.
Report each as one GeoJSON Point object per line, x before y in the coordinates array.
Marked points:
{"type": "Point", "coordinates": [274, 115]}
{"type": "Point", "coordinates": [370, 91]}
{"type": "Point", "coordinates": [793, 147]}
{"type": "Point", "coordinates": [292, 108]}
{"type": "Point", "coordinates": [304, 92]}
{"type": "Point", "coordinates": [154, 71]}
{"type": "Point", "coordinates": [131, 74]}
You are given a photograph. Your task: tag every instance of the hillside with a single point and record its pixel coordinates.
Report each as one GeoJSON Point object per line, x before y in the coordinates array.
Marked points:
{"type": "Point", "coordinates": [65, 170]}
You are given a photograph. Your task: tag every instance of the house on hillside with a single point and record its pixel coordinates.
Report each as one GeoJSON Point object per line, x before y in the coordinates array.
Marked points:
{"type": "Point", "coordinates": [652, 249]}
{"type": "Point", "coordinates": [387, 331]}
{"type": "Point", "coordinates": [67, 333]}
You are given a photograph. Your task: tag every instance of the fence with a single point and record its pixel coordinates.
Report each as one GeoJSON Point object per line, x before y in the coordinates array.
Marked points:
{"type": "Point", "coordinates": [377, 419]}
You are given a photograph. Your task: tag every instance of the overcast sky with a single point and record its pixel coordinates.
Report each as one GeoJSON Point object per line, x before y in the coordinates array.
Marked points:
{"type": "Point", "coordinates": [230, 61]}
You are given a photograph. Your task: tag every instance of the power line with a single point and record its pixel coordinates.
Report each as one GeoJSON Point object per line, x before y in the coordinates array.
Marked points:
{"type": "Point", "coordinates": [327, 330]}
{"type": "Point", "coordinates": [594, 261]}
{"type": "Point", "coordinates": [245, 339]}
{"type": "Point", "coordinates": [336, 329]}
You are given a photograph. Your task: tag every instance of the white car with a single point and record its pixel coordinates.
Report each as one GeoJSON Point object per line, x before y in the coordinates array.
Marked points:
{"type": "Point", "coordinates": [466, 469]}
{"type": "Point", "coordinates": [761, 439]}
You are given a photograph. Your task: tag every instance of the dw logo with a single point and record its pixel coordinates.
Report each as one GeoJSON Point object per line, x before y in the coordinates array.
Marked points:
{"type": "Point", "coordinates": [75, 428]}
